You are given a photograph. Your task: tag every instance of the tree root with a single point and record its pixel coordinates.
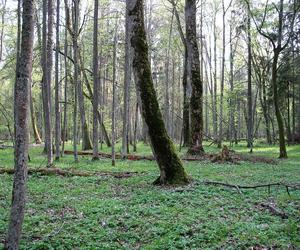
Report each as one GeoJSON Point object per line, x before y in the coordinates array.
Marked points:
{"type": "Point", "coordinates": [71, 172]}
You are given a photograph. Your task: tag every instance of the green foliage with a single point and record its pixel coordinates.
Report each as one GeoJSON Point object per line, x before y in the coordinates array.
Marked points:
{"type": "Point", "coordinates": [129, 213]}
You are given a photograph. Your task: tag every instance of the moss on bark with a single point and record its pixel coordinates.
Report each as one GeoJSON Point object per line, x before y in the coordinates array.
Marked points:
{"type": "Point", "coordinates": [171, 168]}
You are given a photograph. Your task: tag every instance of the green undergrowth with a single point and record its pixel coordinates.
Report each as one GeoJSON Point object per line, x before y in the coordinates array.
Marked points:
{"type": "Point", "coordinates": [103, 212]}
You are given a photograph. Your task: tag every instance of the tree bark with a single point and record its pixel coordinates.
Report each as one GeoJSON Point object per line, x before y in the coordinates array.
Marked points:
{"type": "Point", "coordinates": [57, 89]}
{"type": "Point", "coordinates": [96, 83]}
{"type": "Point", "coordinates": [196, 102]}
{"type": "Point", "coordinates": [21, 107]}
{"type": "Point", "coordinates": [64, 130]}
{"type": "Point", "coordinates": [127, 80]}
{"type": "Point", "coordinates": [171, 168]}
{"type": "Point", "coordinates": [220, 137]}
{"type": "Point", "coordinates": [249, 89]}
{"type": "Point", "coordinates": [113, 117]}
{"type": "Point", "coordinates": [36, 133]}
{"type": "Point", "coordinates": [76, 73]}
{"type": "Point", "coordinates": [47, 36]}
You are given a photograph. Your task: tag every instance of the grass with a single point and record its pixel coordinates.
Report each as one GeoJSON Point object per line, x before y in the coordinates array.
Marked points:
{"type": "Point", "coordinates": [130, 213]}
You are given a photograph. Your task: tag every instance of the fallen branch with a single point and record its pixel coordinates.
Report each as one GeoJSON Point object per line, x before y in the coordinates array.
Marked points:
{"type": "Point", "coordinates": [118, 156]}
{"type": "Point", "coordinates": [234, 157]}
{"type": "Point", "coordinates": [238, 187]}
{"type": "Point", "coordinates": [274, 210]}
{"type": "Point", "coordinates": [6, 146]}
{"type": "Point", "coordinates": [71, 172]}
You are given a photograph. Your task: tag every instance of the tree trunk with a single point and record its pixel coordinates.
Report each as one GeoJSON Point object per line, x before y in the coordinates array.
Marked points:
{"type": "Point", "coordinates": [171, 168]}
{"type": "Point", "coordinates": [214, 104]}
{"type": "Point", "coordinates": [196, 102]}
{"type": "Point", "coordinates": [47, 64]}
{"type": "Point", "coordinates": [57, 92]}
{"type": "Point", "coordinates": [186, 102]}
{"type": "Point", "coordinates": [96, 83]}
{"type": "Point", "coordinates": [282, 148]}
{"type": "Point", "coordinates": [232, 95]}
{"type": "Point", "coordinates": [21, 113]}
{"type": "Point", "coordinates": [66, 86]}
{"type": "Point", "coordinates": [135, 126]}
{"type": "Point", "coordinates": [76, 72]}
{"type": "Point", "coordinates": [36, 133]}
{"type": "Point", "coordinates": [2, 28]}
{"type": "Point", "coordinates": [113, 117]}
{"type": "Point", "coordinates": [249, 89]}
{"type": "Point", "coordinates": [127, 80]}
{"type": "Point", "coordinates": [220, 138]}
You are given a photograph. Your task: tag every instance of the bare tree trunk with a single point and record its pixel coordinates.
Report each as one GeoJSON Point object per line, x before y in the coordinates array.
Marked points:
{"type": "Point", "coordinates": [185, 83]}
{"type": "Point", "coordinates": [214, 104]}
{"type": "Point", "coordinates": [135, 126]}
{"type": "Point", "coordinates": [21, 113]}
{"type": "Point", "coordinates": [127, 80]}
{"type": "Point", "coordinates": [47, 65]}
{"type": "Point", "coordinates": [2, 28]}
{"type": "Point", "coordinates": [220, 139]}
{"type": "Point", "coordinates": [36, 133]}
{"type": "Point", "coordinates": [66, 86]}
{"type": "Point", "coordinates": [249, 90]}
{"type": "Point", "coordinates": [282, 147]}
{"type": "Point", "coordinates": [171, 168]}
{"type": "Point", "coordinates": [57, 92]}
{"type": "Point", "coordinates": [167, 95]}
{"type": "Point", "coordinates": [76, 73]}
{"type": "Point", "coordinates": [196, 103]}
{"type": "Point", "coordinates": [96, 83]}
{"type": "Point", "coordinates": [113, 126]}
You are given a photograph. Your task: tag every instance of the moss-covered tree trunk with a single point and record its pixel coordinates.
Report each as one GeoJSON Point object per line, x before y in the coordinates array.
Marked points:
{"type": "Point", "coordinates": [171, 168]}
{"type": "Point", "coordinates": [196, 102]}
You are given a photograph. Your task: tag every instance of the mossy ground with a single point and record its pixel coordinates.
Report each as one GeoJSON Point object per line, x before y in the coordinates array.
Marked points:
{"type": "Point", "coordinates": [130, 213]}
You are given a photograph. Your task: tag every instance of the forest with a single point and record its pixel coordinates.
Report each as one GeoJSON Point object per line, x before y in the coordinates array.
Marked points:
{"type": "Point", "coordinates": [147, 124]}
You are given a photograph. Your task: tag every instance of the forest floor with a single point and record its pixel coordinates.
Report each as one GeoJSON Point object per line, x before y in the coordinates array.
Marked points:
{"type": "Point", "coordinates": [125, 211]}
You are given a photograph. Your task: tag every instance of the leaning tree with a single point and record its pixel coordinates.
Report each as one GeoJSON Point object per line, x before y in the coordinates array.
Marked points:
{"type": "Point", "coordinates": [171, 168]}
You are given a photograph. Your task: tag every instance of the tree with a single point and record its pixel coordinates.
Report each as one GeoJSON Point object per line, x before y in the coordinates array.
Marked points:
{"type": "Point", "coordinates": [47, 43]}
{"type": "Point", "coordinates": [185, 83]}
{"type": "Point", "coordinates": [171, 168]}
{"type": "Point", "coordinates": [57, 92]}
{"type": "Point", "coordinates": [96, 83]}
{"type": "Point", "coordinates": [127, 80]}
{"type": "Point", "coordinates": [196, 102]}
{"type": "Point", "coordinates": [249, 85]}
{"type": "Point", "coordinates": [21, 107]}
{"type": "Point", "coordinates": [279, 43]}
{"type": "Point", "coordinates": [113, 117]}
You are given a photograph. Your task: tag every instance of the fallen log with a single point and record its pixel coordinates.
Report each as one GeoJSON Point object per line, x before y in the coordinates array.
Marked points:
{"type": "Point", "coordinates": [274, 210]}
{"type": "Point", "coordinates": [106, 155]}
{"type": "Point", "coordinates": [6, 146]}
{"type": "Point", "coordinates": [232, 158]}
{"type": "Point", "coordinates": [71, 172]}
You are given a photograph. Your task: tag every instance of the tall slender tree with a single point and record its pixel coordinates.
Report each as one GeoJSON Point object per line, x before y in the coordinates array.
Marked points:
{"type": "Point", "coordinates": [57, 88]}
{"type": "Point", "coordinates": [127, 81]}
{"type": "Point", "coordinates": [47, 41]}
{"type": "Point", "coordinates": [96, 83]}
{"type": "Point", "coordinates": [21, 112]}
